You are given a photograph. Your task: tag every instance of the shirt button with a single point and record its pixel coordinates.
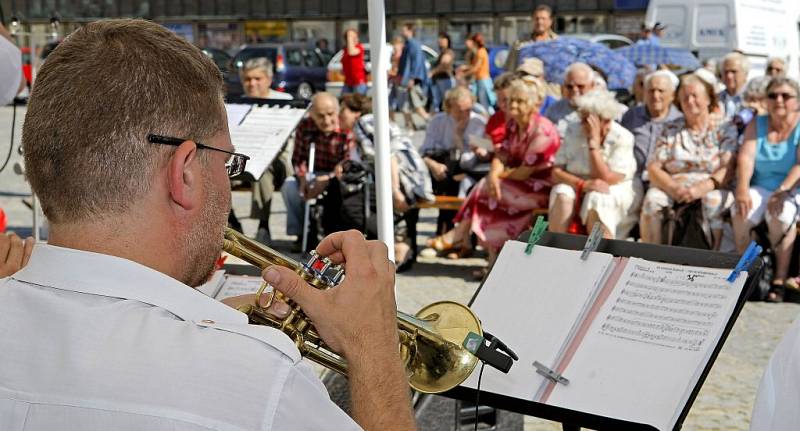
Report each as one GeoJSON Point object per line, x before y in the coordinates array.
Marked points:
{"type": "Point", "coordinates": [210, 322]}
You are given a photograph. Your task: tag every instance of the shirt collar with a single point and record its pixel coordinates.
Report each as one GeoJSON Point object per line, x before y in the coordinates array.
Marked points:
{"type": "Point", "coordinates": [105, 275]}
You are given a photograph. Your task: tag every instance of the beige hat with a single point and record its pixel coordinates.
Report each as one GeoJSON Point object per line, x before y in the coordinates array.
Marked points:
{"type": "Point", "coordinates": [532, 66]}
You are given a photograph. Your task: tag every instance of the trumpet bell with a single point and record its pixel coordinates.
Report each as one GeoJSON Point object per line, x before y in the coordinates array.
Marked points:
{"type": "Point", "coordinates": [442, 363]}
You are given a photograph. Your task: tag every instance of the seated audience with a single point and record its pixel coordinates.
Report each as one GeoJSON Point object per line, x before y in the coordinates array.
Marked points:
{"type": "Point", "coordinates": [320, 127]}
{"type": "Point", "coordinates": [776, 67]}
{"type": "Point", "coordinates": [594, 170]}
{"type": "Point", "coordinates": [693, 159]}
{"type": "Point", "coordinates": [500, 206]}
{"type": "Point", "coordinates": [447, 148]}
{"type": "Point", "coordinates": [734, 69]}
{"type": "Point", "coordinates": [410, 180]}
{"type": "Point", "coordinates": [766, 175]}
{"type": "Point", "coordinates": [645, 121]}
{"type": "Point", "coordinates": [579, 79]}
{"type": "Point", "coordinates": [256, 77]}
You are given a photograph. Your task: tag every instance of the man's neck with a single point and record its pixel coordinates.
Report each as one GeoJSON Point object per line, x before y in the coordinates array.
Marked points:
{"type": "Point", "coordinates": [537, 35]}
{"type": "Point", "coordinates": [143, 246]}
{"type": "Point", "coordinates": [657, 115]}
{"type": "Point", "coordinates": [735, 92]}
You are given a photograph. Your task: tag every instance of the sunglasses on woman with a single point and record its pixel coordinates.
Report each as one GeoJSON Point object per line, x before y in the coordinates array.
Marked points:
{"type": "Point", "coordinates": [785, 96]}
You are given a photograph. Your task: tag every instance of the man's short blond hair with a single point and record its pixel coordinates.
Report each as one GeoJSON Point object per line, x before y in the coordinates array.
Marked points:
{"type": "Point", "coordinates": [98, 96]}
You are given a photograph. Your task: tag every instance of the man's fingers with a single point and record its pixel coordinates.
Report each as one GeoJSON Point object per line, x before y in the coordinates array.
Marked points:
{"type": "Point", "coordinates": [16, 251]}
{"type": "Point", "coordinates": [26, 255]}
{"type": "Point", "coordinates": [290, 284]}
{"type": "Point", "coordinates": [5, 244]}
{"type": "Point", "coordinates": [351, 244]}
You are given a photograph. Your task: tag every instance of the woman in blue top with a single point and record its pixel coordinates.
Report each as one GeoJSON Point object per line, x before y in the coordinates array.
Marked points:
{"type": "Point", "coordinates": [767, 173]}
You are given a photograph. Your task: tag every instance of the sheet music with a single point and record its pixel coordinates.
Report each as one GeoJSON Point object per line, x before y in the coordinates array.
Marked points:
{"type": "Point", "coordinates": [236, 113]}
{"type": "Point", "coordinates": [263, 133]}
{"type": "Point", "coordinates": [652, 336]}
{"type": "Point", "coordinates": [236, 285]}
{"type": "Point", "coordinates": [532, 302]}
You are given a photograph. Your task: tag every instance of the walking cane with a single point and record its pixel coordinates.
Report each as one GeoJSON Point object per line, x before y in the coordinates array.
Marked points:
{"type": "Point", "coordinates": [309, 178]}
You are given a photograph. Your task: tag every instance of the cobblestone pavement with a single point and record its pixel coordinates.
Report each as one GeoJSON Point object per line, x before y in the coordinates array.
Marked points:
{"type": "Point", "coordinates": [724, 403]}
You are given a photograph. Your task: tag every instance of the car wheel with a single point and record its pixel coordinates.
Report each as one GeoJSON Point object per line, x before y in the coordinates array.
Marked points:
{"type": "Point", "coordinates": [305, 91]}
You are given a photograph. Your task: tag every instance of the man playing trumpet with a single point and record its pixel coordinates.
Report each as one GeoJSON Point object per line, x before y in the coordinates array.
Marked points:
{"type": "Point", "coordinates": [102, 327]}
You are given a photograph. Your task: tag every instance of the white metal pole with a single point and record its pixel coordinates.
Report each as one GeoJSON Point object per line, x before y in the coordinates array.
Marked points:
{"type": "Point", "coordinates": [380, 109]}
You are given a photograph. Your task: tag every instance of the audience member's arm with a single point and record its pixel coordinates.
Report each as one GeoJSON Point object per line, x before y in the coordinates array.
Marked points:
{"type": "Point", "coordinates": [598, 168]}
{"type": "Point", "coordinates": [662, 179]}
{"type": "Point", "coordinates": [744, 171]}
{"type": "Point", "coordinates": [561, 176]}
{"type": "Point", "coordinates": [14, 253]}
{"type": "Point", "coordinates": [378, 382]}
{"type": "Point", "coordinates": [352, 48]}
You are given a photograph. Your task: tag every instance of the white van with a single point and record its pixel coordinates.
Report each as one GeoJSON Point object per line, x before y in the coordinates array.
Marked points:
{"type": "Point", "coordinates": [712, 28]}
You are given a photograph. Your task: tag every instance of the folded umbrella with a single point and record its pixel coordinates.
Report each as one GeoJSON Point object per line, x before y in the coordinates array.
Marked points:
{"type": "Point", "coordinates": [645, 53]}
{"type": "Point", "coordinates": [559, 53]}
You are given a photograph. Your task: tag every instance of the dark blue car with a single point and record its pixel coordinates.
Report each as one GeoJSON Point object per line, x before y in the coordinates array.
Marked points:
{"type": "Point", "coordinates": [299, 70]}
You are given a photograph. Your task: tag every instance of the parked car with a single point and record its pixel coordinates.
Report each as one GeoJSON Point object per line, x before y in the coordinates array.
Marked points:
{"type": "Point", "coordinates": [220, 58]}
{"type": "Point", "coordinates": [299, 70]}
{"type": "Point", "coordinates": [612, 41]}
{"type": "Point", "coordinates": [335, 78]}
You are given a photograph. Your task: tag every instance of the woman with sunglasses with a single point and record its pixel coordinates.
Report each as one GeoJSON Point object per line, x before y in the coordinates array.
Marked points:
{"type": "Point", "coordinates": [767, 172]}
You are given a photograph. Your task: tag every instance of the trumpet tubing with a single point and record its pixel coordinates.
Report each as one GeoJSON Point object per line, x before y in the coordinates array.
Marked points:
{"type": "Point", "coordinates": [430, 341]}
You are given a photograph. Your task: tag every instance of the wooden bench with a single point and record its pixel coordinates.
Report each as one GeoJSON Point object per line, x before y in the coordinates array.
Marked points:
{"type": "Point", "coordinates": [454, 203]}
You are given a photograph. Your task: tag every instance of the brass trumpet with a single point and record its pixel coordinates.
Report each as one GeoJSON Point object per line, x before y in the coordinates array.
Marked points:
{"type": "Point", "coordinates": [430, 341]}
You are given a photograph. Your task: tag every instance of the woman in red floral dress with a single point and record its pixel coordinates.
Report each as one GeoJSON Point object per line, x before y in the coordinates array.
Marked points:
{"type": "Point", "coordinates": [500, 206]}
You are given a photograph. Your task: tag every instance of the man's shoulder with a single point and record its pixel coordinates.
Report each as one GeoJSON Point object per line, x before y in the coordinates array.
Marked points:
{"type": "Point", "coordinates": [634, 117]}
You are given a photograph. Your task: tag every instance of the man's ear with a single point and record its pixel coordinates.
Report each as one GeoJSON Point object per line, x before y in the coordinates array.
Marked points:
{"type": "Point", "coordinates": [183, 176]}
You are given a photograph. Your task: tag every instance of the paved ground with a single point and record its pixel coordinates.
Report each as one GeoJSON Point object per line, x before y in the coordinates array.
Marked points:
{"type": "Point", "coordinates": [725, 401]}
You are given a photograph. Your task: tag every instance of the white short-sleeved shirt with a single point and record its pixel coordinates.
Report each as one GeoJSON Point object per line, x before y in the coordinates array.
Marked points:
{"type": "Point", "coordinates": [95, 342]}
{"type": "Point", "coordinates": [10, 70]}
{"type": "Point", "coordinates": [778, 396]}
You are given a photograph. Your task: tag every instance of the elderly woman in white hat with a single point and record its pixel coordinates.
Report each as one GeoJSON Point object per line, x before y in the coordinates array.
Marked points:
{"type": "Point", "coordinates": [594, 169]}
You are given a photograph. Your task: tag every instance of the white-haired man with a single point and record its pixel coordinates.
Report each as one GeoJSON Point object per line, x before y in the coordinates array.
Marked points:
{"type": "Point", "coordinates": [734, 69]}
{"type": "Point", "coordinates": [256, 77]}
{"type": "Point", "coordinates": [579, 79]}
{"type": "Point", "coordinates": [646, 121]}
{"type": "Point", "coordinates": [135, 185]}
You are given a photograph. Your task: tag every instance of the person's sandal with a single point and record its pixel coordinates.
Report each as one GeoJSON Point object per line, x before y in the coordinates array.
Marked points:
{"type": "Point", "coordinates": [793, 284]}
{"type": "Point", "coordinates": [439, 244]}
{"type": "Point", "coordinates": [776, 292]}
{"type": "Point", "coordinates": [462, 253]}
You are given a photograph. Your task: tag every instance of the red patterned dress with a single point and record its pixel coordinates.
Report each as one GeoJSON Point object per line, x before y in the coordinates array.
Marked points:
{"type": "Point", "coordinates": [494, 221]}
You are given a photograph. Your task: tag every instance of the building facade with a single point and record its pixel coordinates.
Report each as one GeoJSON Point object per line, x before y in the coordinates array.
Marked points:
{"type": "Point", "coordinates": [227, 24]}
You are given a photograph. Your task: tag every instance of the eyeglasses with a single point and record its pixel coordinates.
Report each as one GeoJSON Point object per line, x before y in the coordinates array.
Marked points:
{"type": "Point", "coordinates": [235, 163]}
{"type": "Point", "coordinates": [579, 87]}
{"type": "Point", "coordinates": [785, 96]}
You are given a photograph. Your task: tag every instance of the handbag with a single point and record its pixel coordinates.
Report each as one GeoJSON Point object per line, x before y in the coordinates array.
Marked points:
{"type": "Point", "coordinates": [576, 226]}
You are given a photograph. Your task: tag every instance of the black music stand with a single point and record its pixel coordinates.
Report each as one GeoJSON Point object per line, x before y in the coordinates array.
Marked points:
{"type": "Point", "coordinates": [651, 252]}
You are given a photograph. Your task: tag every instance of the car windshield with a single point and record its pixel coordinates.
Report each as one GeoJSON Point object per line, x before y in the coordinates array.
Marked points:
{"type": "Point", "coordinates": [255, 52]}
